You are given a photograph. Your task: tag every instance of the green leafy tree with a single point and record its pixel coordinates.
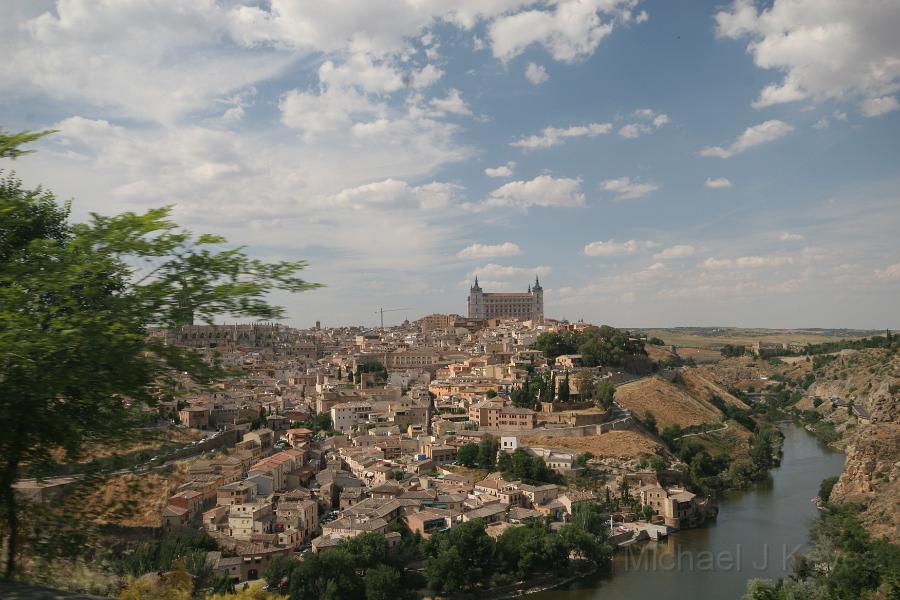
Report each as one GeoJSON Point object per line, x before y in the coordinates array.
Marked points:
{"type": "Point", "coordinates": [367, 549]}
{"type": "Point", "coordinates": [604, 393]}
{"type": "Point", "coordinates": [584, 381]}
{"type": "Point", "coordinates": [530, 468]}
{"type": "Point", "coordinates": [761, 450]}
{"type": "Point", "coordinates": [279, 570]}
{"type": "Point", "coordinates": [487, 454]}
{"type": "Point", "coordinates": [580, 542]}
{"type": "Point", "coordinates": [826, 486]}
{"type": "Point", "coordinates": [329, 574]}
{"type": "Point", "coordinates": [529, 550]}
{"type": "Point", "coordinates": [375, 368]}
{"type": "Point", "coordinates": [459, 558]}
{"type": "Point", "coordinates": [467, 455]}
{"type": "Point", "coordinates": [386, 583]}
{"type": "Point", "coordinates": [77, 304]}
{"type": "Point", "coordinates": [322, 422]}
{"type": "Point", "coordinates": [588, 516]}
{"type": "Point", "coordinates": [504, 462]}
{"type": "Point", "coordinates": [10, 143]}
{"type": "Point", "coordinates": [564, 389]}
{"type": "Point", "coordinates": [650, 423]}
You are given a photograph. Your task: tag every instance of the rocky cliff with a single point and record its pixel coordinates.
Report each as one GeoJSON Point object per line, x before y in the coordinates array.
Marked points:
{"type": "Point", "coordinates": [868, 380]}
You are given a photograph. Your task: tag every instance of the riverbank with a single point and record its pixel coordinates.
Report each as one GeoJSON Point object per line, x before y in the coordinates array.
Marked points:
{"type": "Point", "coordinates": [756, 535]}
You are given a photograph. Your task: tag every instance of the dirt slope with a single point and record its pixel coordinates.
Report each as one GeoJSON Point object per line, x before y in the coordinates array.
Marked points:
{"type": "Point", "coordinates": [670, 404]}
{"type": "Point", "coordinates": [702, 386]}
{"type": "Point", "coordinates": [613, 444]}
{"type": "Point", "coordinates": [132, 500]}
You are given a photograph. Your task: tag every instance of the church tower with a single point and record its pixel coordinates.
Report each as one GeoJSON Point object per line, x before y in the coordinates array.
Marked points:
{"type": "Point", "coordinates": [537, 301]}
{"type": "Point", "coordinates": [476, 301]}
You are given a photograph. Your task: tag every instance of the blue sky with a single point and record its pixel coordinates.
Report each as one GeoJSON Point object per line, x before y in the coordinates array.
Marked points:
{"type": "Point", "coordinates": [656, 163]}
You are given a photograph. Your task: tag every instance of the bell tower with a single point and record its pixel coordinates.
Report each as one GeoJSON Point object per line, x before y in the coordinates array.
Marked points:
{"type": "Point", "coordinates": [476, 301]}
{"type": "Point", "coordinates": [537, 301]}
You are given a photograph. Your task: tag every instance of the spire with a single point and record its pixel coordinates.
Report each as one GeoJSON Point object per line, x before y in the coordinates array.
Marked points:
{"type": "Point", "coordinates": [537, 283]}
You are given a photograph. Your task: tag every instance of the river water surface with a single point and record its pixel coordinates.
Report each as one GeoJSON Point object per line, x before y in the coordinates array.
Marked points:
{"type": "Point", "coordinates": [756, 534]}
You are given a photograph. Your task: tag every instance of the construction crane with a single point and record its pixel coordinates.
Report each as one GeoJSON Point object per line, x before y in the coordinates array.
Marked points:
{"type": "Point", "coordinates": [383, 310]}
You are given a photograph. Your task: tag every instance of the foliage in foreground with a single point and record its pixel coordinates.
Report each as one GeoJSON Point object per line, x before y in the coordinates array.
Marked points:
{"type": "Point", "coordinates": [77, 304]}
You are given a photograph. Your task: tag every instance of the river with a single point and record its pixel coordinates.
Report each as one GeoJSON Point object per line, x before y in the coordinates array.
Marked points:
{"type": "Point", "coordinates": [756, 533]}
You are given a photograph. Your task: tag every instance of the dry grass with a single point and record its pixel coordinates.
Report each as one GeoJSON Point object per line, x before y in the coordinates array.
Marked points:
{"type": "Point", "coordinates": [470, 474]}
{"type": "Point", "coordinates": [701, 385]}
{"type": "Point", "coordinates": [669, 403]}
{"type": "Point", "coordinates": [700, 355]}
{"type": "Point", "coordinates": [132, 500]}
{"type": "Point", "coordinates": [741, 336]}
{"type": "Point", "coordinates": [733, 441]}
{"type": "Point", "coordinates": [149, 440]}
{"type": "Point", "coordinates": [658, 353]}
{"type": "Point", "coordinates": [744, 373]}
{"type": "Point", "coordinates": [614, 444]}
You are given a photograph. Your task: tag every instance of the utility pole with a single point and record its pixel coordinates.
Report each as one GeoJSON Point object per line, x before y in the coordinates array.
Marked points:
{"type": "Point", "coordinates": [383, 310]}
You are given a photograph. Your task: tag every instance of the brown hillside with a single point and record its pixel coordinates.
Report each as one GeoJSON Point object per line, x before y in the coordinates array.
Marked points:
{"type": "Point", "coordinates": [132, 500]}
{"type": "Point", "coordinates": [613, 444]}
{"type": "Point", "coordinates": [670, 404]}
{"type": "Point", "coordinates": [745, 373]}
{"type": "Point", "coordinates": [700, 385]}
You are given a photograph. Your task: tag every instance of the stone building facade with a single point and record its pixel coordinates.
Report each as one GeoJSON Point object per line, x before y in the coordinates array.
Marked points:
{"type": "Point", "coordinates": [525, 306]}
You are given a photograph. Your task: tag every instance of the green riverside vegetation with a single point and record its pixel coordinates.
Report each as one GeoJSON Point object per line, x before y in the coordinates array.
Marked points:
{"type": "Point", "coordinates": [843, 563]}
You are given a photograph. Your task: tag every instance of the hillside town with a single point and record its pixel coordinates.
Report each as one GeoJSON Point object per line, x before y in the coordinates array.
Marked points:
{"type": "Point", "coordinates": [329, 433]}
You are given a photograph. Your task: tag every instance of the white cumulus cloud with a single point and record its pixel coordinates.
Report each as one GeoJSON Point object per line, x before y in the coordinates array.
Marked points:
{"type": "Point", "coordinates": [650, 121]}
{"type": "Point", "coordinates": [572, 29]}
{"type": "Point", "coordinates": [769, 131]}
{"type": "Point", "coordinates": [875, 107]}
{"type": "Point", "coordinates": [453, 103]}
{"type": "Point", "coordinates": [834, 49]}
{"type": "Point", "coordinates": [717, 183]}
{"type": "Point", "coordinates": [747, 262]}
{"type": "Point", "coordinates": [889, 273]}
{"type": "Point", "coordinates": [501, 171]}
{"type": "Point", "coordinates": [536, 74]}
{"type": "Point", "coordinates": [553, 136]}
{"type": "Point", "coordinates": [677, 251]}
{"type": "Point", "coordinates": [493, 271]}
{"type": "Point", "coordinates": [626, 189]}
{"type": "Point", "coordinates": [543, 190]}
{"type": "Point", "coordinates": [489, 250]}
{"type": "Point", "coordinates": [614, 248]}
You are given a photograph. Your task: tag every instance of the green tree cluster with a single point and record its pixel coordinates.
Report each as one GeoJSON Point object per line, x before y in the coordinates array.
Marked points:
{"type": "Point", "coordinates": [598, 346]}
{"type": "Point", "coordinates": [376, 368]}
{"type": "Point", "coordinates": [466, 558]}
{"type": "Point", "coordinates": [361, 567]}
{"type": "Point", "coordinates": [534, 390]}
{"type": "Point", "coordinates": [604, 393]}
{"type": "Point", "coordinates": [732, 350]}
{"type": "Point", "coordinates": [482, 455]}
{"type": "Point", "coordinates": [524, 466]}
